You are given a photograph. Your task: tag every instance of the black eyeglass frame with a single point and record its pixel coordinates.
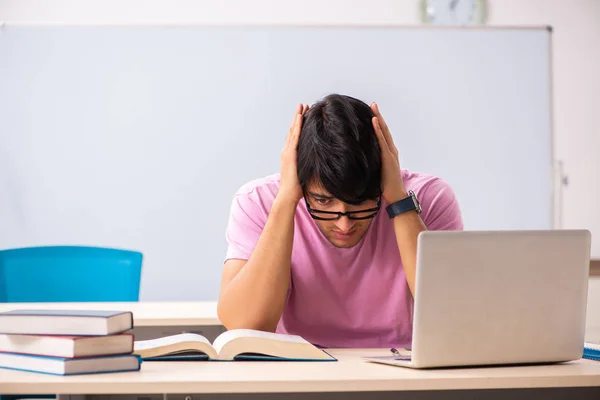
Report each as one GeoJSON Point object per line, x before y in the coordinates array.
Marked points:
{"type": "Point", "coordinates": [374, 211]}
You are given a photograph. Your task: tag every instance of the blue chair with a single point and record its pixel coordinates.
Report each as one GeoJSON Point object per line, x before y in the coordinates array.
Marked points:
{"type": "Point", "coordinates": [69, 274]}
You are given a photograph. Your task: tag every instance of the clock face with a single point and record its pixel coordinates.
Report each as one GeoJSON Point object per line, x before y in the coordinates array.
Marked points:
{"type": "Point", "coordinates": [453, 12]}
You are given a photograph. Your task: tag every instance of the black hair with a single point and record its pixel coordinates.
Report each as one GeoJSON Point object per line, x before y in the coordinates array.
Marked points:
{"type": "Point", "coordinates": [338, 149]}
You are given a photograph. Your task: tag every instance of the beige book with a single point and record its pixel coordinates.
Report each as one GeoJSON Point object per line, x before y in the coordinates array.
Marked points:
{"type": "Point", "coordinates": [67, 346]}
{"type": "Point", "coordinates": [237, 344]}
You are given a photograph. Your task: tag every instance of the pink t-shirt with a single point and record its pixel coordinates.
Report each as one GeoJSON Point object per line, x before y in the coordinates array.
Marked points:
{"type": "Point", "coordinates": [343, 297]}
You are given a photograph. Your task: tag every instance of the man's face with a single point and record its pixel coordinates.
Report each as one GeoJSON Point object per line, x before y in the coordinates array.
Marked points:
{"type": "Point", "coordinates": [343, 232]}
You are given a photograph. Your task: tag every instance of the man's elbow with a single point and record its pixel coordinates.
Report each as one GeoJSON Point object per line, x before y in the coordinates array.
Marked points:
{"type": "Point", "coordinates": [249, 325]}
{"type": "Point", "coordinates": [239, 319]}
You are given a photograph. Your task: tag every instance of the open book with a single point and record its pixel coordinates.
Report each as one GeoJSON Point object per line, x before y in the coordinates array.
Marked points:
{"type": "Point", "coordinates": [236, 344]}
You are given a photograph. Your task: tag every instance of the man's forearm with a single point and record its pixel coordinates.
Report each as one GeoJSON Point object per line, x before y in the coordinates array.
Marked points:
{"type": "Point", "coordinates": [256, 296]}
{"type": "Point", "coordinates": [407, 227]}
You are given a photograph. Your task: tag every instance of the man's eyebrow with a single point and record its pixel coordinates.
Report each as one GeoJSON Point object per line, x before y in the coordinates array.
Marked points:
{"type": "Point", "coordinates": [320, 196]}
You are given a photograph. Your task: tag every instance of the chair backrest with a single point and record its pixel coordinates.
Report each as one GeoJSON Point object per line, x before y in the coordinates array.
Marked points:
{"type": "Point", "coordinates": [69, 274]}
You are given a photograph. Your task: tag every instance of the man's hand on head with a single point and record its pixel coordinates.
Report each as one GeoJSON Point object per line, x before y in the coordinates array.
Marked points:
{"type": "Point", "coordinates": [391, 175]}
{"type": "Point", "coordinates": [289, 188]}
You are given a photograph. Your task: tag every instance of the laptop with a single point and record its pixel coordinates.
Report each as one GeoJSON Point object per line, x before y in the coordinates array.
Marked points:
{"type": "Point", "coordinates": [497, 298]}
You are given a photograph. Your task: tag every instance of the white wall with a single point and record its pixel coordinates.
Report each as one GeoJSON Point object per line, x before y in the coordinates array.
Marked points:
{"type": "Point", "coordinates": [576, 61]}
{"type": "Point", "coordinates": [576, 39]}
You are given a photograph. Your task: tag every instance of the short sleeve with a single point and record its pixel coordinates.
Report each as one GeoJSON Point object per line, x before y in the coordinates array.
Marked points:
{"type": "Point", "coordinates": [246, 222]}
{"type": "Point", "coordinates": [441, 210]}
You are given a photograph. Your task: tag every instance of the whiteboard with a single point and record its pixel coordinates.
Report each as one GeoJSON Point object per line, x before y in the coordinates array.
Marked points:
{"type": "Point", "coordinates": [138, 137]}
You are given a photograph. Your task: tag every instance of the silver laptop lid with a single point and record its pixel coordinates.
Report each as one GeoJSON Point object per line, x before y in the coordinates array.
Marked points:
{"type": "Point", "coordinates": [500, 297]}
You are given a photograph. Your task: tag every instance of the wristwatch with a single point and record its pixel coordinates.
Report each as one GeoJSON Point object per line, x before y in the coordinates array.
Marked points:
{"type": "Point", "coordinates": [407, 204]}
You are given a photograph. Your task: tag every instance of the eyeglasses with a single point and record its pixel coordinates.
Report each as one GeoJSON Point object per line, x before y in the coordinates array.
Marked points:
{"type": "Point", "coordinates": [335, 215]}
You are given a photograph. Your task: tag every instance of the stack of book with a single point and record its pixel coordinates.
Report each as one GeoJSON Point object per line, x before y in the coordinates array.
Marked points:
{"type": "Point", "coordinates": [67, 342]}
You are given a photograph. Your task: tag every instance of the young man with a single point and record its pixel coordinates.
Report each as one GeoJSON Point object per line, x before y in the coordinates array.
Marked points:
{"type": "Point", "coordinates": [315, 251]}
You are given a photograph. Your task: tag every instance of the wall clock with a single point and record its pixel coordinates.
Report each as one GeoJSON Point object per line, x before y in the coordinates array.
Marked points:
{"type": "Point", "coordinates": [453, 12]}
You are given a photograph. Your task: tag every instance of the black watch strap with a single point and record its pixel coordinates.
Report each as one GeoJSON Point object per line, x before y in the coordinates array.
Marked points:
{"type": "Point", "coordinates": [409, 203]}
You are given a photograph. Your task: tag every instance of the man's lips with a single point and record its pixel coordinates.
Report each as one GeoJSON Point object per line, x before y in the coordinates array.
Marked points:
{"type": "Point", "coordinates": [343, 235]}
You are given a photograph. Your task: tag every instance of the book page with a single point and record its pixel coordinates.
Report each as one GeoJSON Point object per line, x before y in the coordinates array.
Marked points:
{"type": "Point", "coordinates": [227, 336]}
{"type": "Point", "coordinates": [593, 346]}
{"type": "Point", "coordinates": [169, 340]}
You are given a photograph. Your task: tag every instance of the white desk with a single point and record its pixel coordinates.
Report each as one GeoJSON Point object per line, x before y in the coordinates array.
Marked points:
{"type": "Point", "coordinates": [349, 374]}
{"type": "Point", "coordinates": [145, 313]}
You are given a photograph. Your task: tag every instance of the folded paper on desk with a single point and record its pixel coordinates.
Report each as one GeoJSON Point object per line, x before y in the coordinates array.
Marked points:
{"type": "Point", "coordinates": [398, 357]}
{"type": "Point", "coordinates": [237, 344]}
{"type": "Point", "coordinates": [591, 351]}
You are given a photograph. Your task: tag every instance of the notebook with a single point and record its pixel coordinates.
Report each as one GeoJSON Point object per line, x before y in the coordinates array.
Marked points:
{"type": "Point", "coordinates": [65, 322]}
{"type": "Point", "coordinates": [591, 351]}
{"type": "Point", "coordinates": [236, 344]}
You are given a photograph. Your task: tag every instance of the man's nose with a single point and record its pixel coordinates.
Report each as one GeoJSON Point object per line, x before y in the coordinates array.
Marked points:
{"type": "Point", "coordinates": [344, 224]}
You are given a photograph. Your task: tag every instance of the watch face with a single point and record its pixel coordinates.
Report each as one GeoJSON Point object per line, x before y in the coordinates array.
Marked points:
{"type": "Point", "coordinates": [415, 200]}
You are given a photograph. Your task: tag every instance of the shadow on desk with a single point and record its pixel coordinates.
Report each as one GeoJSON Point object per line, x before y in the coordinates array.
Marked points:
{"type": "Point", "coordinates": [579, 393]}
{"type": "Point", "coordinates": [153, 332]}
